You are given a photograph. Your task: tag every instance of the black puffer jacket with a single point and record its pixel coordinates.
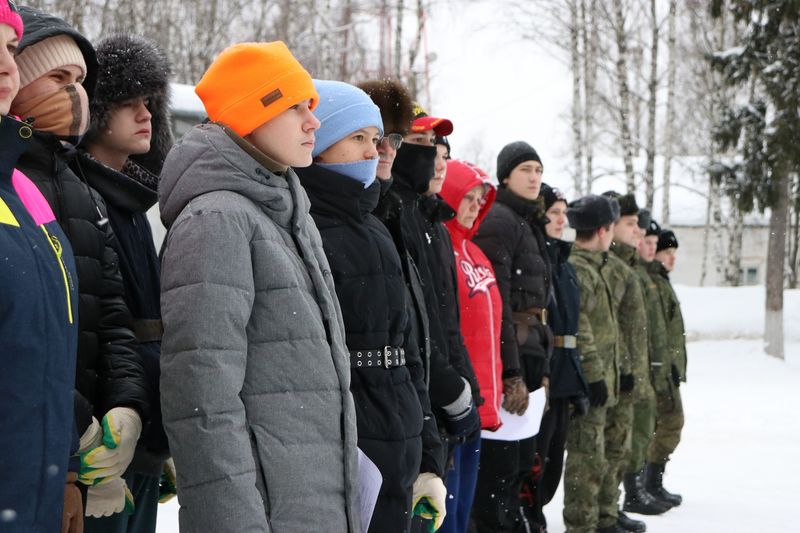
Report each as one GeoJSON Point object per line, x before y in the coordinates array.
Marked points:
{"type": "Point", "coordinates": [391, 405]}
{"type": "Point", "coordinates": [109, 372]}
{"type": "Point", "coordinates": [128, 196]}
{"type": "Point", "coordinates": [413, 232]}
{"type": "Point", "coordinates": [566, 376]}
{"type": "Point", "coordinates": [511, 237]}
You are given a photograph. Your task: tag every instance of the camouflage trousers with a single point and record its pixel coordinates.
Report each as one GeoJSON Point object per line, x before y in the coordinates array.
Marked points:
{"type": "Point", "coordinates": [619, 428]}
{"type": "Point", "coordinates": [644, 424]}
{"type": "Point", "coordinates": [668, 425]}
{"type": "Point", "coordinates": [597, 445]}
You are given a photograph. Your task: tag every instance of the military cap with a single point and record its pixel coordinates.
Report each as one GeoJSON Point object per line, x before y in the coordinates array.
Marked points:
{"type": "Point", "coordinates": [592, 212]}
{"type": "Point", "coordinates": [627, 203]}
{"type": "Point", "coordinates": [652, 229]}
{"type": "Point", "coordinates": [666, 239]}
{"type": "Point", "coordinates": [644, 218]}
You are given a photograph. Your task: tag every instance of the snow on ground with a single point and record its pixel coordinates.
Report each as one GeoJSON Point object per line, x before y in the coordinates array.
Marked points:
{"type": "Point", "coordinates": [734, 312]}
{"type": "Point", "coordinates": [736, 465]}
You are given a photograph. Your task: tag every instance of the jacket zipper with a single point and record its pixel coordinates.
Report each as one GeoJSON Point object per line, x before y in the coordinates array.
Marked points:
{"type": "Point", "coordinates": [53, 240]}
{"type": "Point", "coordinates": [491, 326]}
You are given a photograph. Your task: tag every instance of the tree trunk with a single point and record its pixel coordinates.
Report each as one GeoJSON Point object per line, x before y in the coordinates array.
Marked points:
{"type": "Point", "coordinates": [669, 126]}
{"type": "Point", "coordinates": [398, 42]}
{"type": "Point", "coordinates": [649, 170]}
{"type": "Point", "coordinates": [794, 231]}
{"type": "Point", "coordinates": [624, 96]}
{"type": "Point", "coordinates": [733, 266]}
{"type": "Point", "coordinates": [591, 37]}
{"type": "Point", "coordinates": [575, 57]}
{"type": "Point", "coordinates": [706, 232]}
{"type": "Point", "coordinates": [776, 256]}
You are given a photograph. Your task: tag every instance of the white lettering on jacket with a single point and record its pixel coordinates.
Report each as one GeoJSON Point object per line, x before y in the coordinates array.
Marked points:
{"type": "Point", "coordinates": [479, 278]}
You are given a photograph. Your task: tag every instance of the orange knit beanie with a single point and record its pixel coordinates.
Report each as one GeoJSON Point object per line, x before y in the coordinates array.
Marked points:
{"type": "Point", "coordinates": [249, 84]}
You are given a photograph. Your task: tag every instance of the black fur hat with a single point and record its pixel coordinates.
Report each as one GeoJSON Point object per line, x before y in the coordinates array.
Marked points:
{"type": "Point", "coordinates": [130, 67]}
{"type": "Point", "coordinates": [592, 212]}
{"type": "Point", "coordinates": [627, 203]}
{"type": "Point", "coordinates": [392, 98]}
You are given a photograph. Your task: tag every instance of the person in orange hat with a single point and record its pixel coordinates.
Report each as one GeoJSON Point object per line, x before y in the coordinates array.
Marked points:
{"type": "Point", "coordinates": [255, 374]}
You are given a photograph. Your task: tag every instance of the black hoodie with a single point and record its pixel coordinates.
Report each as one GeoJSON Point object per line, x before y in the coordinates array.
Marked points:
{"type": "Point", "coordinates": [415, 223]}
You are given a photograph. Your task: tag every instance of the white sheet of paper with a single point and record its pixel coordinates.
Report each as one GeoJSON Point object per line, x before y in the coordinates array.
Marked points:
{"type": "Point", "coordinates": [369, 485]}
{"type": "Point", "coordinates": [517, 427]}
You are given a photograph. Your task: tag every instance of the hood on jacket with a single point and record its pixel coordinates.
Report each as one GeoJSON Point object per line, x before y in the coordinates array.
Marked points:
{"type": "Point", "coordinates": [461, 177]}
{"type": "Point", "coordinates": [40, 26]}
{"type": "Point", "coordinates": [211, 158]}
{"type": "Point", "coordinates": [130, 67]}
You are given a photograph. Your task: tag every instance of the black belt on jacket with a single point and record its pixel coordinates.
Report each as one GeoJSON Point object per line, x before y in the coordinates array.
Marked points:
{"type": "Point", "coordinates": [148, 330]}
{"type": "Point", "coordinates": [386, 357]}
{"type": "Point", "coordinates": [530, 315]}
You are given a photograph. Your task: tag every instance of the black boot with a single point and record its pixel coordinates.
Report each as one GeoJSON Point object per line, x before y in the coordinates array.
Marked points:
{"type": "Point", "coordinates": [629, 524]}
{"type": "Point", "coordinates": [614, 528]}
{"type": "Point", "coordinates": [637, 499]}
{"type": "Point", "coordinates": [654, 484]}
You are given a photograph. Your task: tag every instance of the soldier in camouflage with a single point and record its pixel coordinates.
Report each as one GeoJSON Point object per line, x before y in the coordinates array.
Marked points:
{"type": "Point", "coordinates": [637, 499]}
{"type": "Point", "coordinates": [592, 218]}
{"type": "Point", "coordinates": [634, 363]}
{"type": "Point", "coordinates": [669, 408]}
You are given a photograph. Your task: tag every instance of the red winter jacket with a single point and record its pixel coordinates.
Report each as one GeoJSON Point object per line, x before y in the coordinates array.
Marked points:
{"type": "Point", "coordinates": [478, 295]}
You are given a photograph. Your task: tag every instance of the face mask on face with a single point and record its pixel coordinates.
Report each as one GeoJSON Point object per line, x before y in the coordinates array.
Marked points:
{"type": "Point", "coordinates": [361, 171]}
{"type": "Point", "coordinates": [64, 113]}
{"type": "Point", "coordinates": [414, 165]}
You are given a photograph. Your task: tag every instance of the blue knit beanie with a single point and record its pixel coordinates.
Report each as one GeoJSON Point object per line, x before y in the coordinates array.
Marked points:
{"type": "Point", "coordinates": [342, 109]}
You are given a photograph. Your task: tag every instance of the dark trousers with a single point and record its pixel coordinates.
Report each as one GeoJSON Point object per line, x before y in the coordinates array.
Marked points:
{"type": "Point", "coordinates": [461, 480]}
{"type": "Point", "coordinates": [541, 482]}
{"type": "Point", "coordinates": [144, 489]}
{"type": "Point", "coordinates": [503, 464]}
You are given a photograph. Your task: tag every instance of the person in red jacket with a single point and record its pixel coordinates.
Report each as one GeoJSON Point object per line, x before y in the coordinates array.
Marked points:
{"type": "Point", "coordinates": [467, 191]}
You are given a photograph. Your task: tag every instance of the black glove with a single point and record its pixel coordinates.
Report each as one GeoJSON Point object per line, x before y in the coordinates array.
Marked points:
{"type": "Point", "coordinates": [598, 393]}
{"type": "Point", "coordinates": [676, 376]}
{"type": "Point", "coordinates": [580, 405]}
{"type": "Point", "coordinates": [465, 425]}
{"type": "Point", "coordinates": [626, 383]}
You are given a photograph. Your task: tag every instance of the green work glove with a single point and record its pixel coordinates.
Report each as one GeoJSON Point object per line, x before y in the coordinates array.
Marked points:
{"type": "Point", "coordinates": [121, 429]}
{"type": "Point", "coordinates": [428, 500]}
{"type": "Point", "coordinates": [167, 488]}
{"type": "Point", "coordinates": [108, 497]}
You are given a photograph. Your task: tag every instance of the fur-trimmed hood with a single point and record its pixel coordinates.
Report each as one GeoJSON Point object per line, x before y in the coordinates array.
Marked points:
{"type": "Point", "coordinates": [131, 66]}
{"type": "Point", "coordinates": [392, 98]}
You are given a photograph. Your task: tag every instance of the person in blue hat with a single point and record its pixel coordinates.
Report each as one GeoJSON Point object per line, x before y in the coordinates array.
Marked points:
{"type": "Point", "coordinates": [395, 427]}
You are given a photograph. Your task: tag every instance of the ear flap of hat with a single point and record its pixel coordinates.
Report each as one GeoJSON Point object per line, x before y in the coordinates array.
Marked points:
{"type": "Point", "coordinates": [392, 98]}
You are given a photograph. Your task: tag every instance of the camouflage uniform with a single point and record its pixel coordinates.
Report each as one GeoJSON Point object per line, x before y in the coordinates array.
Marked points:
{"type": "Point", "coordinates": [634, 359]}
{"type": "Point", "coordinates": [598, 343]}
{"type": "Point", "coordinates": [669, 408]}
{"type": "Point", "coordinates": [644, 409]}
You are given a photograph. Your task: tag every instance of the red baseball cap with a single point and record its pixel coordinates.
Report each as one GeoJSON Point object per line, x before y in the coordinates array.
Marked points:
{"type": "Point", "coordinates": [422, 122]}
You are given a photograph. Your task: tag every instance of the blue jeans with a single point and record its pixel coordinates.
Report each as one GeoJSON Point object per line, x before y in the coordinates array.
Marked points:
{"type": "Point", "coordinates": [460, 481]}
{"type": "Point", "coordinates": [144, 489]}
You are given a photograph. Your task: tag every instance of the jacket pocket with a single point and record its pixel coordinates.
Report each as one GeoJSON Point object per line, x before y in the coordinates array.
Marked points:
{"type": "Point", "coordinates": [261, 483]}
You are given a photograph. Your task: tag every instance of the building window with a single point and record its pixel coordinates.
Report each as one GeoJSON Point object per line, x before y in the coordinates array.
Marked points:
{"type": "Point", "coordinates": [748, 276]}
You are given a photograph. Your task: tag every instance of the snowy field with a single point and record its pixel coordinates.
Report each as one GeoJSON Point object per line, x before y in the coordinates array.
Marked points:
{"type": "Point", "coordinates": [737, 465]}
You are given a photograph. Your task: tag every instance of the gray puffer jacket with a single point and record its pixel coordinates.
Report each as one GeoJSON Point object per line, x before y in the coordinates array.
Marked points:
{"type": "Point", "coordinates": [255, 374]}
